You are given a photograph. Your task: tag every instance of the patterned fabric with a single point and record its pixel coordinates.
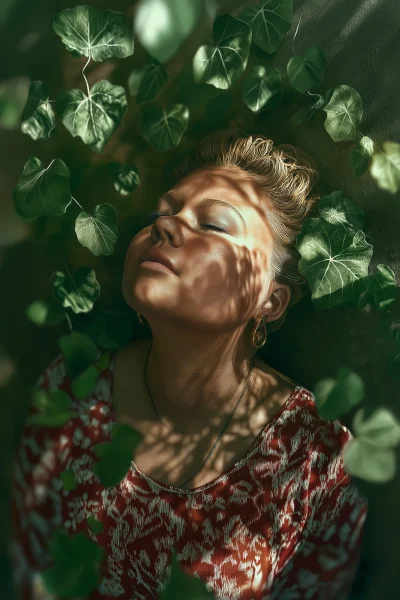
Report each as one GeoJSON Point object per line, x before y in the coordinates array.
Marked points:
{"type": "Point", "coordinates": [284, 523]}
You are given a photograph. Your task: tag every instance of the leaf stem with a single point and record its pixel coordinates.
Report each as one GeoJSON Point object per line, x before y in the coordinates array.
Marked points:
{"type": "Point", "coordinates": [69, 321]}
{"type": "Point", "coordinates": [84, 76]}
{"type": "Point", "coordinates": [77, 202]}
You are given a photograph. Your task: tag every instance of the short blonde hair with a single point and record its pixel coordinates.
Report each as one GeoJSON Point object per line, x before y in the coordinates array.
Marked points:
{"type": "Point", "coordinates": [286, 175]}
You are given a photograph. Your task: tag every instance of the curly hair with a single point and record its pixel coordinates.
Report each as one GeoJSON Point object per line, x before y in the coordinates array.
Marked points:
{"type": "Point", "coordinates": [288, 178]}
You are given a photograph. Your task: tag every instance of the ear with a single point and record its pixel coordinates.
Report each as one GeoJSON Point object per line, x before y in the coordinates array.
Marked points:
{"type": "Point", "coordinates": [276, 303]}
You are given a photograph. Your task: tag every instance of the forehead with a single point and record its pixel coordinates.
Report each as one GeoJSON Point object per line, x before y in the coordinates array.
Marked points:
{"type": "Point", "coordinates": [234, 186]}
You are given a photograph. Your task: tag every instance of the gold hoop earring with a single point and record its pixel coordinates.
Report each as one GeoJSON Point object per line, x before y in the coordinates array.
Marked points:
{"type": "Point", "coordinates": [140, 317]}
{"type": "Point", "coordinates": [258, 338]}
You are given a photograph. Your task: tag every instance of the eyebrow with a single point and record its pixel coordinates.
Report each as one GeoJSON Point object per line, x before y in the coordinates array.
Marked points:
{"type": "Point", "coordinates": [209, 202]}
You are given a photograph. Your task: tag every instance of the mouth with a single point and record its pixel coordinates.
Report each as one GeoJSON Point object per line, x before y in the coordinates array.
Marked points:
{"type": "Point", "coordinates": [156, 266]}
{"type": "Point", "coordinates": [154, 258]}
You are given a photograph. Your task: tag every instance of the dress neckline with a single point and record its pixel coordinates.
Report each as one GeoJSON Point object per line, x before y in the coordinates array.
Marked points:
{"type": "Point", "coordinates": [238, 464]}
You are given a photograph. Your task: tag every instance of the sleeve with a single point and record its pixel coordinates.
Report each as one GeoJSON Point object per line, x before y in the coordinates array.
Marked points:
{"type": "Point", "coordinates": [35, 496]}
{"type": "Point", "coordinates": [325, 564]}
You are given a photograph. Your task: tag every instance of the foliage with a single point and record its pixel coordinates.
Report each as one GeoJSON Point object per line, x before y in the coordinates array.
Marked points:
{"type": "Point", "coordinates": [335, 255]}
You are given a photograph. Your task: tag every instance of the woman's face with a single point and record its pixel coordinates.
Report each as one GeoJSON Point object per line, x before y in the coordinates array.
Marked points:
{"type": "Point", "coordinates": [221, 276]}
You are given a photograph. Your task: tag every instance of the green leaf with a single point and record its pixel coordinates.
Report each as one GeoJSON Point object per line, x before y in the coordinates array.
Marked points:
{"type": "Point", "coordinates": [84, 383]}
{"type": "Point", "coordinates": [146, 82]}
{"type": "Point", "coordinates": [116, 456]}
{"type": "Point", "coordinates": [181, 586]}
{"type": "Point", "coordinates": [86, 31]}
{"type": "Point", "coordinates": [69, 480]}
{"type": "Point", "coordinates": [38, 116]}
{"type": "Point", "coordinates": [110, 329]}
{"type": "Point", "coordinates": [93, 118]}
{"type": "Point", "coordinates": [104, 361]}
{"type": "Point", "coordinates": [262, 88]}
{"type": "Point", "coordinates": [385, 167]}
{"type": "Point", "coordinates": [163, 128]}
{"type": "Point", "coordinates": [306, 72]}
{"type": "Point", "coordinates": [380, 289]}
{"type": "Point", "coordinates": [13, 94]}
{"type": "Point", "coordinates": [360, 156]}
{"type": "Point", "coordinates": [363, 460]}
{"type": "Point", "coordinates": [79, 352]}
{"type": "Point", "coordinates": [338, 210]}
{"type": "Point", "coordinates": [306, 113]}
{"type": "Point", "coordinates": [76, 565]}
{"type": "Point", "coordinates": [344, 113]}
{"type": "Point", "coordinates": [222, 64]}
{"type": "Point", "coordinates": [44, 313]}
{"type": "Point", "coordinates": [381, 428]}
{"type": "Point", "coordinates": [42, 191]}
{"type": "Point", "coordinates": [162, 26]}
{"type": "Point", "coordinates": [269, 22]}
{"type": "Point", "coordinates": [125, 177]}
{"type": "Point", "coordinates": [95, 525]}
{"type": "Point", "coordinates": [333, 259]}
{"type": "Point", "coordinates": [98, 233]}
{"type": "Point", "coordinates": [335, 397]}
{"type": "Point", "coordinates": [78, 292]}
{"type": "Point", "coordinates": [53, 401]}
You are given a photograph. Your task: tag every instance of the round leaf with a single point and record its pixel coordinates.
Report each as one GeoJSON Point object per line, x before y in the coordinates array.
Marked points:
{"type": "Point", "coordinates": [367, 462]}
{"type": "Point", "coordinates": [145, 83]}
{"type": "Point", "coordinates": [79, 352]}
{"type": "Point", "coordinates": [98, 233]}
{"type": "Point", "coordinates": [338, 210]}
{"type": "Point", "coordinates": [126, 178]}
{"type": "Point", "coordinates": [269, 22]}
{"type": "Point", "coordinates": [306, 72]}
{"type": "Point", "coordinates": [262, 88]}
{"type": "Point", "coordinates": [86, 31]}
{"type": "Point", "coordinates": [333, 258]}
{"type": "Point", "coordinates": [42, 191]}
{"type": "Point", "coordinates": [163, 128]}
{"type": "Point", "coordinates": [113, 467]}
{"type": "Point", "coordinates": [78, 292]}
{"type": "Point", "coordinates": [335, 398]}
{"type": "Point", "coordinates": [43, 313]}
{"type": "Point", "coordinates": [84, 384]}
{"type": "Point", "coordinates": [360, 156]}
{"type": "Point", "coordinates": [38, 116]}
{"type": "Point", "coordinates": [385, 167]}
{"type": "Point", "coordinates": [222, 64]}
{"type": "Point", "coordinates": [93, 118]}
{"type": "Point", "coordinates": [380, 289]}
{"type": "Point", "coordinates": [344, 113]}
{"type": "Point", "coordinates": [306, 113]}
{"type": "Point", "coordinates": [104, 361]}
{"type": "Point", "coordinates": [162, 25]}
{"type": "Point", "coordinates": [381, 429]}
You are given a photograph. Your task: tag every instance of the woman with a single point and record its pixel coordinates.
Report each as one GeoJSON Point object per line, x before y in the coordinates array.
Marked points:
{"type": "Point", "coordinates": [235, 470]}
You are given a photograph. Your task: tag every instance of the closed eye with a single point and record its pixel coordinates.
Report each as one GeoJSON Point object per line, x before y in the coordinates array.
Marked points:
{"type": "Point", "coordinates": [154, 215]}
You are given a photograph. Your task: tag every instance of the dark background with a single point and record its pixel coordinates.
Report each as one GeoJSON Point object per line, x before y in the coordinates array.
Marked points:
{"type": "Point", "coordinates": [362, 44]}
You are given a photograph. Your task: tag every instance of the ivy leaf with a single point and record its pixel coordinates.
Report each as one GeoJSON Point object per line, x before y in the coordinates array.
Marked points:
{"type": "Point", "coordinates": [110, 329]}
{"type": "Point", "coordinates": [162, 26]}
{"type": "Point", "coordinates": [85, 382]}
{"type": "Point", "coordinates": [335, 397]}
{"type": "Point", "coordinates": [380, 289]}
{"type": "Point", "coordinates": [69, 480]}
{"type": "Point", "coordinates": [38, 116]}
{"type": "Point", "coordinates": [42, 191]}
{"type": "Point", "coordinates": [116, 456]}
{"type": "Point", "coordinates": [145, 83]}
{"type": "Point", "coordinates": [385, 167]}
{"type": "Point", "coordinates": [86, 31]}
{"type": "Point", "coordinates": [98, 233]}
{"type": "Point", "coordinates": [75, 571]}
{"type": "Point", "coordinates": [79, 352]}
{"type": "Point", "coordinates": [93, 118]}
{"type": "Point", "coordinates": [344, 113]}
{"type": "Point", "coordinates": [306, 72]}
{"type": "Point", "coordinates": [338, 210]}
{"type": "Point", "coordinates": [44, 313]}
{"type": "Point", "coordinates": [78, 292]}
{"type": "Point", "coordinates": [369, 454]}
{"type": "Point", "coordinates": [53, 406]}
{"type": "Point", "coordinates": [269, 22]}
{"type": "Point", "coordinates": [222, 64]}
{"type": "Point", "coordinates": [181, 586]}
{"type": "Point", "coordinates": [95, 525]}
{"type": "Point", "coordinates": [333, 259]}
{"type": "Point", "coordinates": [163, 128]}
{"type": "Point", "coordinates": [126, 177]}
{"type": "Point", "coordinates": [360, 156]}
{"type": "Point", "coordinates": [262, 88]}
{"type": "Point", "coordinates": [306, 113]}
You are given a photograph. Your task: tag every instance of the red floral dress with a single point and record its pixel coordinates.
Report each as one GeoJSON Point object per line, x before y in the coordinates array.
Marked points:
{"type": "Point", "coordinates": [284, 523]}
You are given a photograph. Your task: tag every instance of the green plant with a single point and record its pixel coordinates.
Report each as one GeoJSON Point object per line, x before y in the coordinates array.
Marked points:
{"type": "Point", "coordinates": [334, 249]}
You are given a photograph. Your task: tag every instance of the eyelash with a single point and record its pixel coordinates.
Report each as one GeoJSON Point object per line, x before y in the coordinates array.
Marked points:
{"type": "Point", "coordinates": [154, 215]}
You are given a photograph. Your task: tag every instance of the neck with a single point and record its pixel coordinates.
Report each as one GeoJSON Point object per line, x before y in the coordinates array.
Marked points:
{"type": "Point", "coordinates": [197, 379]}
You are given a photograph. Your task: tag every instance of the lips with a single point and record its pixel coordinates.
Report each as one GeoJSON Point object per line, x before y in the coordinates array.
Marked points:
{"type": "Point", "coordinates": [156, 255]}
